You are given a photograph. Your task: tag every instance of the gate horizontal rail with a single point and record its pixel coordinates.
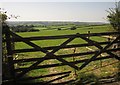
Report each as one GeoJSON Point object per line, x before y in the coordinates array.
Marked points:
{"type": "Point", "coordinates": [53, 47]}
{"type": "Point", "coordinates": [62, 64]}
{"type": "Point", "coordinates": [16, 39]}
{"type": "Point", "coordinates": [63, 56]}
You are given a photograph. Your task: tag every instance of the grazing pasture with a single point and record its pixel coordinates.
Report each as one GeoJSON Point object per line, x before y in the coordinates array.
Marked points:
{"type": "Point", "coordinates": [53, 32]}
{"type": "Point", "coordinates": [97, 68]}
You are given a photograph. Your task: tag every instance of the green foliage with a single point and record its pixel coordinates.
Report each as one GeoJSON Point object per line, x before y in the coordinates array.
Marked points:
{"type": "Point", "coordinates": [24, 28]}
{"type": "Point", "coordinates": [88, 78]}
{"type": "Point", "coordinates": [59, 28]}
{"type": "Point", "coordinates": [73, 28]}
{"type": "Point", "coordinates": [114, 17]}
{"type": "Point", "coordinates": [3, 17]}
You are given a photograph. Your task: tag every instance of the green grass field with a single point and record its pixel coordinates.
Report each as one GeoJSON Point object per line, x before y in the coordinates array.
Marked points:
{"type": "Point", "coordinates": [45, 43]}
{"type": "Point", "coordinates": [95, 29]}
{"type": "Point", "coordinates": [54, 32]}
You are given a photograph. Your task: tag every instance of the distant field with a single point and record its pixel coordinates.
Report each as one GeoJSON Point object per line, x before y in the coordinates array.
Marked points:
{"type": "Point", "coordinates": [43, 43]}
{"type": "Point", "coordinates": [43, 32]}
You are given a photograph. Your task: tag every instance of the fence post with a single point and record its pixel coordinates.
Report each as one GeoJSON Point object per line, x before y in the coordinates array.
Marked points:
{"type": "Point", "coordinates": [74, 61]}
{"type": "Point", "coordinates": [88, 34]}
{"type": "Point", "coordinates": [9, 52]}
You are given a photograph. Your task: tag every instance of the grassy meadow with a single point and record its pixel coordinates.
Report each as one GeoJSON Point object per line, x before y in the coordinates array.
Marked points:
{"type": "Point", "coordinates": [44, 43]}
{"type": "Point", "coordinates": [53, 32]}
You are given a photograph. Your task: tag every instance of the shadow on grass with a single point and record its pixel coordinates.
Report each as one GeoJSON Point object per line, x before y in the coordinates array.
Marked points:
{"type": "Point", "coordinates": [31, 80]}
{"type": "Point", "coordinates": [91, 79]}
{"type": "Point", "coordinates": [82, 79]}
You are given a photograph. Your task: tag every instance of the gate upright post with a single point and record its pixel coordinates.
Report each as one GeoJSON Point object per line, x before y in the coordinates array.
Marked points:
{"type": "Point", "coordinates": [9, 53]}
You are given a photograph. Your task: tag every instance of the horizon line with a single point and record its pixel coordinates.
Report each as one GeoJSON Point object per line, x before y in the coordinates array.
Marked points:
{"type": "Point", "coordinates": [54, 21]}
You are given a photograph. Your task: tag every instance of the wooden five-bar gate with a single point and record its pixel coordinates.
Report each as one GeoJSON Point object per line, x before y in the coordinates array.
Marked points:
{"type": "Point", "coordinates": [11, 37]}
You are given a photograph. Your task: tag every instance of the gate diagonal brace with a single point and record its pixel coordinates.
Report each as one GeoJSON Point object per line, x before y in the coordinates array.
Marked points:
{"type": "Point", "coordinates": [51, 54]}
{"type": "Point", "coordinates": [29, 43]}
{"type": "Point", "coordinates": [101, 50]}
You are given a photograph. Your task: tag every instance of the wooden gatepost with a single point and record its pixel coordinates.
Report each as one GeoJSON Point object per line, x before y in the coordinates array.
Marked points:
{"type": "Point", "coordinates": [9, 56]}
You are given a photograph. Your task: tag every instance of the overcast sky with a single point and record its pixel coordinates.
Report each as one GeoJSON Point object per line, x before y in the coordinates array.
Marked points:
{"type": "Point", "coordinates": [59, 11]}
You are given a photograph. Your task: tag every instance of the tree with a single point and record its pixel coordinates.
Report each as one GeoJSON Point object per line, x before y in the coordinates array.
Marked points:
{"type": "Point", "coordinates": [3, 17]}
{"type": "Point", "coordinates": [59, 28]}
{"type": "Point", "coordinates": [73, 28]}
{"type": "Point", "coordinates": [114, 17]}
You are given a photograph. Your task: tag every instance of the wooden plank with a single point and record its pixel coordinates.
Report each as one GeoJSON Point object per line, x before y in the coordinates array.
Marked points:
{"type": "Point", "coordinates": [103, 33]}
{"type": "Point", "coordinates": [64, 56]}
{"type": "Point", "coordinates": [18, 39]}
{"type": "Point", "coordinates": [44, 37]}
{"type": "Point", "coordinates": [113, 55]}
{"type": "Point", "coordinates": [8, 42]}
{"type": "Point", "coordinates": [87, 53]}
{"type": "Point", "coordinates": [89, 60]}
{"type": "Point", "coordinates": [9, 52]}
{"type": "Point", "coordinates": [53, 47]}
{"type": "Point", "coordinates": [91, 42]}
{"type": "Point", "coordinates": [11, 66]}
{"type": "Point", "coordinates": [62, 64]}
